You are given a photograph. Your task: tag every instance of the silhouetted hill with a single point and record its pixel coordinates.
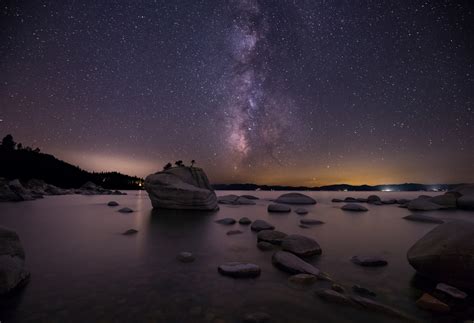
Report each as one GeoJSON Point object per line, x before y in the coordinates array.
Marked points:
{"type": "Point", "coordinates": [26, 164]}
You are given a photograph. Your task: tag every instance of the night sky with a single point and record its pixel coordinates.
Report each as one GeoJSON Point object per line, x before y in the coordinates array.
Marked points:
{"type": "Point", "coordinates": [300, 92]}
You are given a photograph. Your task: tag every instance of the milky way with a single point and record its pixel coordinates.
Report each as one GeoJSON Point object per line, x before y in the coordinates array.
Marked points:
{"type": "Point", "coordinates": [257, 115]}
{"type": "Point", "coordinates": [272, 92]}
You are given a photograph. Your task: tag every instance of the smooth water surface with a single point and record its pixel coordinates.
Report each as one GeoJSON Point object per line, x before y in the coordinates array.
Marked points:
{"type": "Point", "coordinates": [84, 270]}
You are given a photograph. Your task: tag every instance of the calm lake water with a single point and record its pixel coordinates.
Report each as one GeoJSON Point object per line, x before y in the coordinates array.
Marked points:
{"type": "Point", "coordinates": [84, 270]}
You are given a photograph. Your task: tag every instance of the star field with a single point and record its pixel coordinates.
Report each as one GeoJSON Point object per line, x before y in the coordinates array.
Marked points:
{"type": "Point", "coordinates": [271, 92]}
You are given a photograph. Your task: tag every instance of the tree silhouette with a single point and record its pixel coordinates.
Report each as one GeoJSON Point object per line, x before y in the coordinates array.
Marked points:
{"type": "Point", "coordinates": [179, 163]}
{"type": "Point", "coordinates": [37, 150]}
{"type": "Point", "coordinates": [19, 146]}
{"type": "Point", "coordinates": [193, 162]}
{"type": "Point", "coordinates": [8, 143]}
{"type": "Point", "coordinates": [167, 166]}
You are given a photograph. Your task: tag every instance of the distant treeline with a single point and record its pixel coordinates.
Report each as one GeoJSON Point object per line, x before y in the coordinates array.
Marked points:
{"type": "Point", "coordinates": [25, 163]}
{"type": "Point", "coordinates": [338, 187]}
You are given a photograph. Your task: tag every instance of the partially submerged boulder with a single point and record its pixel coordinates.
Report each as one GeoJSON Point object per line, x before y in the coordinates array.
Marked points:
{"type": "Point", "coordinates": [239, 270]}
{"type": "Point", "coordinates": [369, 261]}
{"type": "Point", "coordinates": [271, 236]}
{"type": "Point", "coordinates": [292, 264]}
{"type": "Point", "coordinates": [234, 200]}
{"type": "Point", "coordinates": [12, 261]}
{"type": "Point", "coordinates": [423, 218]}
{"type": "Point", "coordinates": [295, 198]}
{"type": "Point", "coordinates": [423, 204]}
{"type": "Point", "coordinates": [181, 188]}
{"type": "Point", "coordinates": [278, 208]}
{"type": "Point", "coordinates": [259, 225]}
{"type": "Point", "coordinates": [300, 245]}
{"type": "Point", "coordinates": [446, 254]}
{"type": "Point", "coordinates": [373, 199]}
{"type": "Point", "coordinates": [354, 207]}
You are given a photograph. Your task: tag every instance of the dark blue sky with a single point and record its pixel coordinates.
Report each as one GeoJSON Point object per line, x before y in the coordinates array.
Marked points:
{"type": "Point", "coordinates": [288, 92]}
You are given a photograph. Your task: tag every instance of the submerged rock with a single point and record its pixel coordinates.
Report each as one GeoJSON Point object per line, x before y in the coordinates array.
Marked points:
{"type": "Point", "coordinates": [369, 261]}
{"type": "Point", "coordinates": [259, 225]}
{"type": "Point", "coordinates": [430, 303]}
{"type": "Point", "coordinates": [337, 200]}
{"type": "Point", "coordinates": [334, 297]}
{"type": "Point", "coordinates": [233, 232]}
{"type": "Point", "coordinates": [446, 254]}
{"type": "Point", "coordinates": [301, 211]}
{"type": "Point", "coordinates": [445, 200]}
{"type": "Point", "coordinates": [311, 222]}
{"type": "Point", "coordinates": [181, 188]}
{"type": "Point", "coordinates": [303, 279]}
{"type": "Point", "coordinates": [292, 264]}
{"type": "Point", "coordinates": [112, 203]}
{"type": "Point", "coordinates": [451, 291]}
{"type": "Point", "coordinates": [466, 202]}
{"type": "Point", "coordinates": [422, 218]}
{"type": "Point", "coordinates": [239, 270]}
{"type": "Point", "coordinates": [278, 208]}
{"type": "Point", "coordinates": [245, 221]}
{"type": "Point", "coordinates": [130, 232]}
{"type": "Point", "coordinates": [226, 221]}
{"type": "Point", "coordinates": [301, 245]}
{"type": "Point", "coordinates": [390, 201]}
{"type": "Point", "coordinates": [257, 317]}
{"type": "Point", "coordinates": [185, 257]}
{"type": "Point", "coordinates": [271, 236]}
{"type": "Point", "coordinates": [363, 291]}
{"type": "Point", "coordinates": [354, 207]}
{"type": "Point", "coordinates": [12, 261]}
{"type": "Point", "coordinates": [249, 197]}
{"type": "Point", "coordinates": [338, 288]}
{"type": "Point", "coordinates": [265, 246]}
{"type": "Point", "coordinates": [234, 200]}
{"type": "Point", "coordinates": [295, 198]}
{"type": "Point", "coordinates": [125, 210]}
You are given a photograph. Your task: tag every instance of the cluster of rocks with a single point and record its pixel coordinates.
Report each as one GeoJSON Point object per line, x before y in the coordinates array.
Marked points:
{"type": "Point", "coordinates": [15, 191]}
{"type": "Point", "coordinates": [371, 199]}
{"type": "Point", "coordinates": [461, 197]}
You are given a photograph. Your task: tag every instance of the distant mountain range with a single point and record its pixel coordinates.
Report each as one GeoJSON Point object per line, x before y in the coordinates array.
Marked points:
{"type": "Point", "coordinates": [338, 187]}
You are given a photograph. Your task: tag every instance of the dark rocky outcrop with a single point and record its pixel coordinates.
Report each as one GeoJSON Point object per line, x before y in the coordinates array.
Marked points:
{"type": "Point", "coordinates": [12, 261]}
{"type": "Point", "coordinates": [181, 188]}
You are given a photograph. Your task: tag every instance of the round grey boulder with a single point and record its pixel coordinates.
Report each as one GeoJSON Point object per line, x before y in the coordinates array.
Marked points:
{"type": "Point", "coordinates": [239, 270]}
{"type": "Point", "coordinates": [373, 199]}
{"type": "Point", "coordinates": [295, 198]}
{"type": "Point", "coordinates": [271, 236]}
{"type": "Point", "coordinates": [446, 254]}
{"type": "Point", "coordinates": [259, 225]}
{"type": "Point", "coordinates": [112, 203]}
{"type": "Point", "coordinates": [301, 245]}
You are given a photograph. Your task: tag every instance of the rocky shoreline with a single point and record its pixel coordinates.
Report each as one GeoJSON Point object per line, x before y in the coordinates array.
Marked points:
{"type": "Point", "coordinates": [15, 191]}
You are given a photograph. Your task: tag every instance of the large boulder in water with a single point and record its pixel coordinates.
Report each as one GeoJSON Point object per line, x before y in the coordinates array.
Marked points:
{"type": "Point", "coordinates": [12, 261]}
{"type": "Point", "coordinates": [447, 200]}
{"type": "Point", "coordinates": [446, 254]}
{"type": "Point", "coordinates": [295, 198]}
{"type": "Point", "coordinates": [234, 200]}
{"type": "Point", "coordinates": [181, 188]}
{"type": "Point", "coordinates": [465, 195]}
{"type": "Point", "coordinates": [423, 204]}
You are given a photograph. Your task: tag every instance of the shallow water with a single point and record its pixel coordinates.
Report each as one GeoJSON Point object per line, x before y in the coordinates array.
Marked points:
{"type": "Point", "coordinates": [83, 269]}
